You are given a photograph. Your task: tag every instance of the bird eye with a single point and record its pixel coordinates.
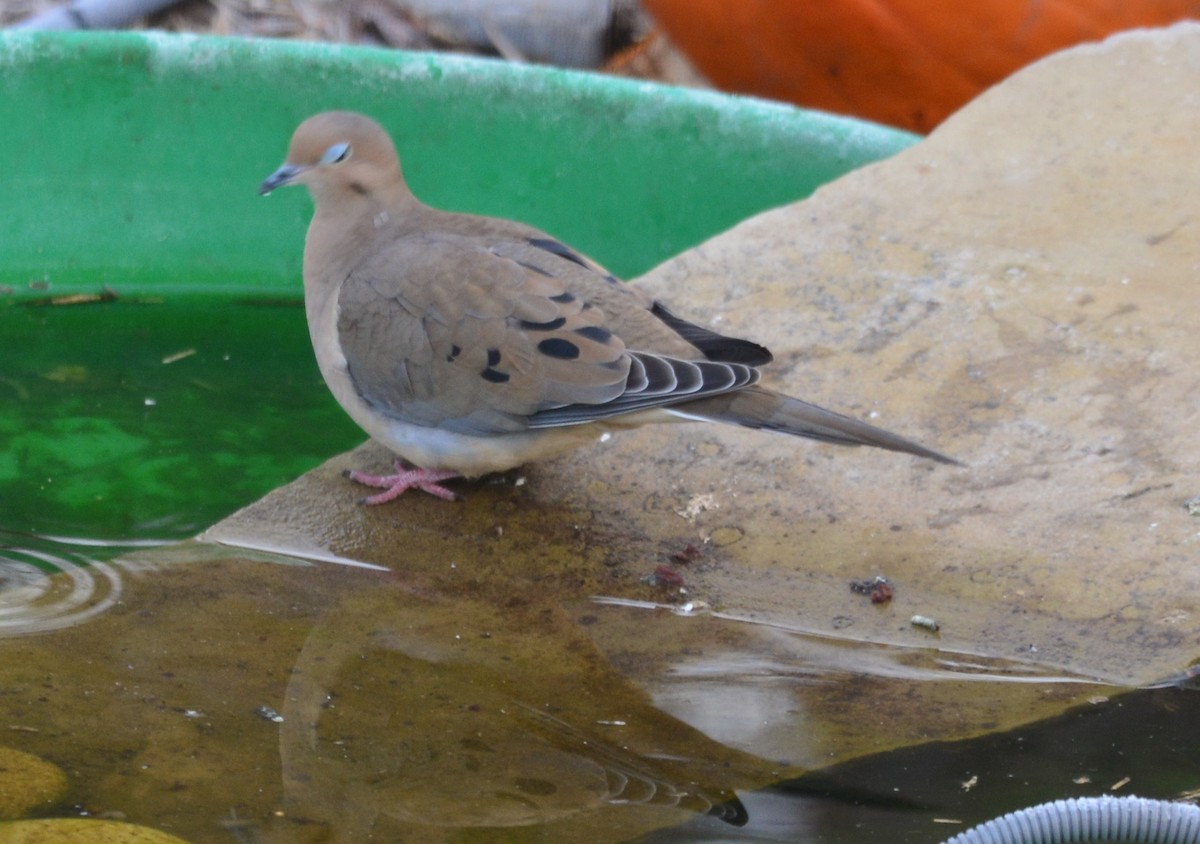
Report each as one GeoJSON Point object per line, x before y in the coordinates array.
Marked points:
{"type": "Point", "coordinates": [336, 153]}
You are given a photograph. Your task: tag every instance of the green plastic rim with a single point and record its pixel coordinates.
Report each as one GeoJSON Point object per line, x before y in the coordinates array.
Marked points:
{"type": "Point", "coordinates": [134, 158]}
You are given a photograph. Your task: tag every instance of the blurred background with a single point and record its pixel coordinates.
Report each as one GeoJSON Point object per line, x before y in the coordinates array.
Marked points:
{"type": "Point", "coordinates": [904, 63]}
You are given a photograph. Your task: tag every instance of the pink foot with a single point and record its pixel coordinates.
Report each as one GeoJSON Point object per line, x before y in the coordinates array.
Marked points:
{"type": "Point", "coordinates": [406, 478]}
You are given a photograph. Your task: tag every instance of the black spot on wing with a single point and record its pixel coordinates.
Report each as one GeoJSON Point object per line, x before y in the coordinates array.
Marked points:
{"type": "Point", "coordinates": [557, 347]}
{"type": "Point", "coordinates": [595, 332]}
{"type": "Point", "coordinates": [550, 325]}
{"type": "Point", "coordinates": [563, 298]}
{"type": "Point", "coordinates": [535, 269]}
{"type": "Point", "coordinates": [559, 249]}
{"type": "Point", "coordinates": [455, 351]}
{"type": "Point", "coordinates": [714, 346]}
{"type": "Point", "coordinates": [491, 373]}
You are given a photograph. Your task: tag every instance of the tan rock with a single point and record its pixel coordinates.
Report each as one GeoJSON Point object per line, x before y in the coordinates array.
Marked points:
{"type": "Point", "coordinates": [28, 783]}
{"type": "Point", "coordinates": [79, 831]}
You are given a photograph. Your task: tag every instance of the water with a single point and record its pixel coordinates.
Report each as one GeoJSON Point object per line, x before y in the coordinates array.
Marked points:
{"type": "Point", "coordinates": [134, 421]}
{"type": "Point", "coordinates": [1143, 743]}
{"type": "Point", "coordinates": [225, 698]}
{"type": "Point", "coordinates": [48, 584]}
{"type": "Point", "coordinates": [129, 424]}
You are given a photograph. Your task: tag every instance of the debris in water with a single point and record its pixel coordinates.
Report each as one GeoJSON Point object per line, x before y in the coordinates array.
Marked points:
{"type": "Point", "coordinates": [879, 588]}
{"type": "Point", "coordinates": [925, 622]}
{"type": "Point", "coordinates": [269, 714]}
{"type": "Point", "coordinates": [689, 554]}
{"type": "Point", "coordinates": [665, 576]}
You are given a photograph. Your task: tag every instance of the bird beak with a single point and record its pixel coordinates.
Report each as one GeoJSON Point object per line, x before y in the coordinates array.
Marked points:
{"type": "Point", "coordinates": [285, 175]}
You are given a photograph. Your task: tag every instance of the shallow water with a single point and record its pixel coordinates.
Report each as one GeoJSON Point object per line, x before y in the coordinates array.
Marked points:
{"type": "Point", "coordinates": [230, 695]}
{"type": "Point", "coordinates": [262, 699]}
{"type": "Point", "coordinates": [49, 583]}
{"type": "Point", "coordinates": [151, 420]}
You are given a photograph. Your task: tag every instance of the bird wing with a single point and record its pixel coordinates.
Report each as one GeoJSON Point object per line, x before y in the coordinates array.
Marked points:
{"type": "Point", "coordinates": [483, 332]}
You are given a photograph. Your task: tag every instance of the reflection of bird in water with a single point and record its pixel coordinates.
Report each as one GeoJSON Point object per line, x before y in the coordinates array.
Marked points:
{"type": "Point", "coordinates": [630, 783]}
{"type": "Point", "coordinates": [410, 718]}
{"type": "Point", "coordinates": [242, 830]}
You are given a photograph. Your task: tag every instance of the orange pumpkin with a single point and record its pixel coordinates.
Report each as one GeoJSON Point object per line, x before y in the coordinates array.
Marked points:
{"type": "Point", "coordinates": [909, 63]}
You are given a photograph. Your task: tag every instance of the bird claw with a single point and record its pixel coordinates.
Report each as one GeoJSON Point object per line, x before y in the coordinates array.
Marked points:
{"type": "Point", "coordinates": [405, 478]}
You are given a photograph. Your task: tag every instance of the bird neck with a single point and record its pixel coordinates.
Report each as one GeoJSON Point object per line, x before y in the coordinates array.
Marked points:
{"type": "Point", "coordinates": [356, 198]}
{"type": "Point", "coordinates": [344, 226]}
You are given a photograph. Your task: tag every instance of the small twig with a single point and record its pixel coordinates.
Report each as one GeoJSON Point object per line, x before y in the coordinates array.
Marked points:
{"type": "Point", "coordinates": [503, 44]}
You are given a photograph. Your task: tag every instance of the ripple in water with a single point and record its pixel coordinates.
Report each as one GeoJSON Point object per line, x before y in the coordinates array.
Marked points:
{"type": "Point", "coordinates": [52, 587]}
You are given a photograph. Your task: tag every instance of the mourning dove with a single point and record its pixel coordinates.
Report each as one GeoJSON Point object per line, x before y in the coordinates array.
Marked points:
{"type": "Point", "coordinates": [468, 344]}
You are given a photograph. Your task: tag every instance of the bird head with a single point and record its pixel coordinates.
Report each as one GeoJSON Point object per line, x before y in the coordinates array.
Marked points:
{"type": "Point", "coordinates": [338, 153]}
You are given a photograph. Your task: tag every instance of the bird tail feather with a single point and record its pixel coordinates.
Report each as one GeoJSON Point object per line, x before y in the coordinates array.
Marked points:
{"type": "Point", "coordinates": [755, 407]}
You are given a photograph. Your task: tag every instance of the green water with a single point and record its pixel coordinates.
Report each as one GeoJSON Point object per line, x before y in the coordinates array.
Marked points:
{"type": "Point", "coordinates": [152, 420]}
